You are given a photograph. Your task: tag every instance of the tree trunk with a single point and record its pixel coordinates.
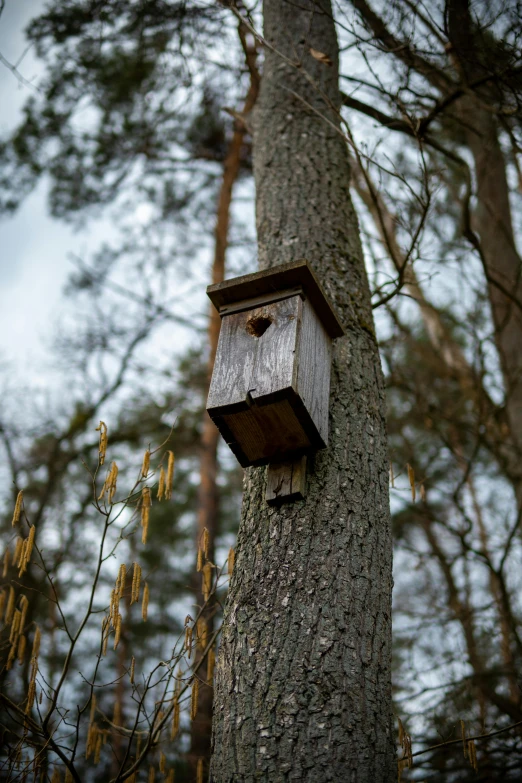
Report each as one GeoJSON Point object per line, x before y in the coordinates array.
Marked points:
{"type": "Point", "coordinates": [302, 687]}
{"type": "Point", "coordinates": [492, 225]}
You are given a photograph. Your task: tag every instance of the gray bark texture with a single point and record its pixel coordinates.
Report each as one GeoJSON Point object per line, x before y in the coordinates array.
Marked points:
{"type": "Point", "coordinates": [303, 681]}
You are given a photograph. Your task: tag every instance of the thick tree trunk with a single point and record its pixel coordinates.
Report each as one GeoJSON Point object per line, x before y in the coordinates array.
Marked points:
{"type": "Point", "coordinates": [492, 225]}
{"type": "Point", "coordinates": [302, 687]}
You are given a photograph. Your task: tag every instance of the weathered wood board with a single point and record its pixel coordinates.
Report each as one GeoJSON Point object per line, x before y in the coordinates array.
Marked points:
{"type": "Point", "coordinates": [286, 481]}
{"type": "Point", "coordinates": [251, 366]}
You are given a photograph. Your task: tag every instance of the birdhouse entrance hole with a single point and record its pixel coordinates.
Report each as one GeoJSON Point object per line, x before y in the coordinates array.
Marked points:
{"type": "Point", "coordinates": [258, 324]}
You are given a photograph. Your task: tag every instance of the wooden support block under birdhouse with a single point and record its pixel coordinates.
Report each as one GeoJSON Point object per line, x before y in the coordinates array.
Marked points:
{"type": "Point", "coordinates": [269, 391]}
{"type": "Point", "coordinates": [286, 481]}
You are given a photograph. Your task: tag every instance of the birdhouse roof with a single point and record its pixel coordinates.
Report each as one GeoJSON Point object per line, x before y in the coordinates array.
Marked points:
{"type": "Point", "coordinates": [272, 284]}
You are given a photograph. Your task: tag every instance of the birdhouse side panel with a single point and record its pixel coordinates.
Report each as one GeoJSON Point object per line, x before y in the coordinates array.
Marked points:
{"type": "Point", "coordinates": [314, 349]}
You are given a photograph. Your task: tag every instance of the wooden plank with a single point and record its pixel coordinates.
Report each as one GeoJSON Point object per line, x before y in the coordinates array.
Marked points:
{"type": "Point", "coordinates": [275, 357]}
{"type": "Point", "coordinates": [258, 301]}
{"type": "Point", "coordinates": [314, 349]}
{"type": "Point", "coordinates": [286, 481]}
{"type": "Point", "coordinates": [264, 433]}
{"type": "Point", "coordinates": [276, 279]}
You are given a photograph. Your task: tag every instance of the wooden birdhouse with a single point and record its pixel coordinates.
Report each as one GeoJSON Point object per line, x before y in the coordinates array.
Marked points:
{"type": "Point", "coordinates": [270, 387]}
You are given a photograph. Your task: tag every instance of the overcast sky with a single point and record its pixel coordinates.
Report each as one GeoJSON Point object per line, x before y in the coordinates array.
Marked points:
{"type": "Point", "coordinates": [34, 248]}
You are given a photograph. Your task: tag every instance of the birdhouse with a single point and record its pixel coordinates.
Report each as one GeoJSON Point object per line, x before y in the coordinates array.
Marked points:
{"type": "Point", "coordinates": [270, 386]}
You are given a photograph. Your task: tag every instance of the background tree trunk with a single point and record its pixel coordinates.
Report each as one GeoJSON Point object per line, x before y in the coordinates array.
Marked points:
{"type": "Point", "coordinates": [208, 497]}
{"type": "Point", "coordinates": [302, 688]}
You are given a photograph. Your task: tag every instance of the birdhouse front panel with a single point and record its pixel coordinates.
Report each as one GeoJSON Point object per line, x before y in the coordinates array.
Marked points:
{"type": "Point", "coordinates": [270, 386]}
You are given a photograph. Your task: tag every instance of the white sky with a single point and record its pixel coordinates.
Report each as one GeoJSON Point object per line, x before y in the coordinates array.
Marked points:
{"type": "Point", "coordinates": [34, 248]}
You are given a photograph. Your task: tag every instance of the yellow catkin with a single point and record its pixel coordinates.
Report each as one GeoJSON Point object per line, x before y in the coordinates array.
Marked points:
{"type": "Point", "coordinates": [411, 478]}
{"type": "Point", "coordinates": [392, 476]}
{"type": "Point", "coordinates": [145, 603]}
{"type": "Point", "coordinates": [162, 763]}
{"type": "Point", "coordinates": [18, 508]}
{"type": "Point", "coordinates": [105, 634]}
{"type": "Point", "coordinates": [116, 716]}
{"type": "Point", "coordinates": [170, 777]}
{"type": "Point", "coordinates": [117, 631]}
{"type": "Point", "coordinates": [136, 581]}
{"type": "Point", "coordinates": [401, 732]}
{"type": "Point", "coordinates": [132, 668]}
{"type": "Point", "coordinates": [68, 776]}
{"type": "Point", "coordinates": [9, 612]}
{"type": "Point", "coordinates": [188, 640]}
{"type": "Point", "coordinates": [92, 713]}
{"type": "Point", "coordinates": [207, 581]}
{"type": "Point", "coordinates": [7, 557]}
{"type": "Point", "coordinates": [146, 464]}
{"type": "Point", "coordinates": [161, 484]}
{"type": "Point", "coordinates": [206, 541]}
{"type": "Point", "coordinates": [56, 778]}
{"type": "Point", "coordinates": [463, 735]}
{"type": "Point", "coordinates": [3, 595]}
{"type": "Point", "coordinates": [199, 561]}
{"type": "Point", "coordinates": [231, 560]}
{"type": "Point", "coordinates": [24, 606]}
{"type": "Point", "coordinates": [22, 559]}
{"type": "Point", "coordinates": [408, 750]}
{"type": "Point", "coordinates": [12, 655]}
{"type": "Point", "coordinates": [472, 753]}
{"type": "Point", "coordinates": [36, 643]}
{"type": "Point", "coordinates": [102, 449]}
{"type": "Point", "coordinates": [194, 699]}
{"type": "Point", "coordinates": [199, 771]}
{"type": "Point", "coordinates": [122, 576]}
{"type": "Point", "coordinates": [152, 775]}
{"type": "Point", "coordinates": [211, 662]}
{"type": "Point", "coordinates": [114, 608]}
{"type": "Point", "coordinates": [423, 493]}
{"type": "Point", "coordinates": [110, 483]}
{"type": "Point", "coordinates": [113, 476]}
{"type": "Point", "coordinates": [202, 632]}
{"type": "Point", "coordinates": [18, 551]}
{"type": "Point", "coordinates": [91, 740]}
{"type": "Point", "coordinates": [170, 476]}
{"type": "Point", "coordinates": [174, 728]}
{"type": "Point", "coordinates": [15, 626]}
{"type": "Point", "coordinates": [145, 513]}
{"type": "Point", "coordinates": [32, 686]}
{"type": "Point", "coordinates": [28, 549]}
{"type": "Point", "coordinates": [97, 749]}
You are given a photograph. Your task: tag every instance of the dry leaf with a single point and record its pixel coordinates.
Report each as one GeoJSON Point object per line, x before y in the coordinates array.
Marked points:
{"type": "Point", "coordinates": [321, 56]}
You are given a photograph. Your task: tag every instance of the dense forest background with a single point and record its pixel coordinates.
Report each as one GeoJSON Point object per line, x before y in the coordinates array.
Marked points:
{"type": "Point", "coordinates": [141, 120]}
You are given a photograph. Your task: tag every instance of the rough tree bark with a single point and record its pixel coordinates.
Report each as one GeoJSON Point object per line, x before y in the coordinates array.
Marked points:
{"type": "Point", "coordinates": [302, 686]}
